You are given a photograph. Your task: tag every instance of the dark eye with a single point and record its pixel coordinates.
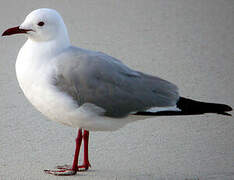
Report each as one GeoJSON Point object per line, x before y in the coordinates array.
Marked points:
{"type": "Point", "coordinates": [41, 23]}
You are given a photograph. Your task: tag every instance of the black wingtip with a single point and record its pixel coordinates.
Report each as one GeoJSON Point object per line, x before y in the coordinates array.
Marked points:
{"type": "Point", "coordinates": [192, 107]}
{"type": "Point", "coordinates": [227, 108]}
{"type": "Point", "coordinates": [189, 105]}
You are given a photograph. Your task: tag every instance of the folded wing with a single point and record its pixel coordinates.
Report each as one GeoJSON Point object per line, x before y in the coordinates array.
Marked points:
{"type": "Point", "coordinates": [94, 77]}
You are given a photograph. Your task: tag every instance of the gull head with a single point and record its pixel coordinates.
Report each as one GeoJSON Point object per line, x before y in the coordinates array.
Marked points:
{"type": "Point", "coordinates": [41, 25]}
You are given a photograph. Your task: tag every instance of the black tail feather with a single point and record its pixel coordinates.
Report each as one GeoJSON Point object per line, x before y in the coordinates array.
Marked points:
{"type": "Point", "coordinates": [192, 107]}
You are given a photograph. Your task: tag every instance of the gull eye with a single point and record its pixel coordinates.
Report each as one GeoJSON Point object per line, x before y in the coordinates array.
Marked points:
{"type": "Point", "coordinates": [41, 23]}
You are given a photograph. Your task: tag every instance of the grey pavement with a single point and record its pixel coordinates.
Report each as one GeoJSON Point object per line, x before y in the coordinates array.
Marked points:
{"type": "Point", "coordinates": [188, 42]}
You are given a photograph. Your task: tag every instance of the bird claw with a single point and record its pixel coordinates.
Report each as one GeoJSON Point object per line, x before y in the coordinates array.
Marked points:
{"type": "Point", "coordinates": [66, 166]}
{"type": "Point", "coordinates": [66, 170]}
{"type": "Point", "coordinates": [84, 167]}
{"type": "Point", "coordinates": [61, 172]}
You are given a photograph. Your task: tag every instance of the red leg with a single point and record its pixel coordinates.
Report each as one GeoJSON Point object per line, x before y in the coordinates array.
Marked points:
{"type": "Point", "coordinates": [76, 156]}
{"type": "Point", "coordinates": [67, 170]}
{"type": "Point", "coordinates": [85, 166]}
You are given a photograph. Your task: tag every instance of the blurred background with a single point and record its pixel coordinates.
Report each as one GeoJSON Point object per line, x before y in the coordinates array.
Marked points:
{"type": "Point", "coordinates": [187, 42]}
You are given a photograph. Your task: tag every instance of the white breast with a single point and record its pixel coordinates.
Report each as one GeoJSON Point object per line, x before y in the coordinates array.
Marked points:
{"type": "Point", "coordinates": [34, 74]}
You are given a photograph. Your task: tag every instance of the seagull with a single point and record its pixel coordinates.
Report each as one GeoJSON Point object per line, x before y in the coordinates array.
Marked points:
{"type": "Point", "coordinates": [89, 90]}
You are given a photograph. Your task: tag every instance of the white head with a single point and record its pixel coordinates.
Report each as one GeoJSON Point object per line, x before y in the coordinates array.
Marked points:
{"type": "Point", "coordinates": [42, 25]}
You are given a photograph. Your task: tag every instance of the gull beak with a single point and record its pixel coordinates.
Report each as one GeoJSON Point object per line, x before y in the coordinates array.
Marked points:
{"type": "Point", "coordinates": [15, 30]}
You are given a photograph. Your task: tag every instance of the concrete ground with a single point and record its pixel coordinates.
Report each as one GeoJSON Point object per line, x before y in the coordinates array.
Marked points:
{"type": "Point", "coordinates": [188, 42]}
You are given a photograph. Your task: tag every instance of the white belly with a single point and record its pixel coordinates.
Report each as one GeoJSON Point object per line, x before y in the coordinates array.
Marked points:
{"type": "Point", "coordinates": [35, 79]}
{"type": "Point", "coordinates": [36, 69]}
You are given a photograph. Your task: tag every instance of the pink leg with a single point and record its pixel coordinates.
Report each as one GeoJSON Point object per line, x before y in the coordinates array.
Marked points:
{"type": "Point", "coordinates": [67, 170]}
{"type": "Point", "coordinates": [85, 166]}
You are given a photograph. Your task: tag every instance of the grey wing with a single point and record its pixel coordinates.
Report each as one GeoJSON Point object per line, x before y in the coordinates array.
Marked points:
{"type": "Point", "coordinates": [94, 77]}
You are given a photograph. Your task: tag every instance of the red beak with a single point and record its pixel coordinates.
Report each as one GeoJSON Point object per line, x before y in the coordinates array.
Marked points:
{"type": "Point", "coordinates": [15, 30]}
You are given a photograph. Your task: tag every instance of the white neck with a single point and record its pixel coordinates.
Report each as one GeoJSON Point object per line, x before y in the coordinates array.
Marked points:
{"type": "Point", "coordinates": [48, 48]}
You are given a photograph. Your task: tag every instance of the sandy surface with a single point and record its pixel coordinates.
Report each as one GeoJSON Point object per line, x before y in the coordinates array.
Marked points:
{"type": "Point", "coordinates": [188, 42]}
